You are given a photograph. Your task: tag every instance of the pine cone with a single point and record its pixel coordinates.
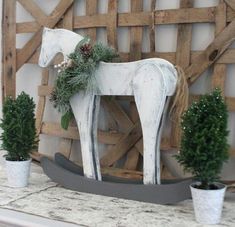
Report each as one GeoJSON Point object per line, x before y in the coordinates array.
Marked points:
{"type": "Point", "coordinates": [86, 50]}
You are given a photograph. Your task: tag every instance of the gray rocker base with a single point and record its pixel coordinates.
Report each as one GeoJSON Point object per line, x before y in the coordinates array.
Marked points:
{"type": "Point", "coordinates": [65, 163]}
{"type": "Point", "coordinates": [160, 194]}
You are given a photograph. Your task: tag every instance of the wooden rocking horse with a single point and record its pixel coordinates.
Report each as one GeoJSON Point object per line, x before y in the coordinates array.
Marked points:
{"type": "Point", "coordinates": [151, 82]}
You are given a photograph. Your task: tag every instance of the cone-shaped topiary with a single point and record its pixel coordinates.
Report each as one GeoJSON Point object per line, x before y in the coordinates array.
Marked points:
{"type": "Point", "coordinates": [18, 125]}
{"type": "Point", "coordinates": [204, 145]}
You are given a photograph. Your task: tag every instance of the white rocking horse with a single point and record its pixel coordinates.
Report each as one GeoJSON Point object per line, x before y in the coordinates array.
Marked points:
{"type": "Point", "coordinates": [150, 81]}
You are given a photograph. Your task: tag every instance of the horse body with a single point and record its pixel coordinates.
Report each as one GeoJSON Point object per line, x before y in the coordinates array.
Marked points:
{"type": "Point", "coordinates": [150, 81]}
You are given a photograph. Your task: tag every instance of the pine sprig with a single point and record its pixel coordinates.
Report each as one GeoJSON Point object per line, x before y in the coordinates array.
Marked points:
{"type": "Point", "coordinates": [204, 145]}
{"type": "Point", "coordinates": [78, 74]}
{"type": "Point", "coordinates": [18, 125]}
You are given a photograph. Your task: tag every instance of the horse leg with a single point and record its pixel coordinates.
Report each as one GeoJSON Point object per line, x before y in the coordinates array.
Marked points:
{"type": "Point", "coordinates": [150, 97]}
{"type": "Point", "coordinates": [86, 108]}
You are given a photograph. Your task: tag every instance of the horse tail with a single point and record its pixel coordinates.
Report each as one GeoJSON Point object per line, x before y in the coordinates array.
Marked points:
{"type": "Point", "coordinates": [180, 98]}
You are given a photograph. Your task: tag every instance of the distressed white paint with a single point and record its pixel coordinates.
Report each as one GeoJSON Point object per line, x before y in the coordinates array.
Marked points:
{"type": "Point", "coordinates": [149, 80]}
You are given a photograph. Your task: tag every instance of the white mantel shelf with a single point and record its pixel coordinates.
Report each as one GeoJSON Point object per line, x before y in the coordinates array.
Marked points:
{"type": "Point", "coordinates": [46, 199]}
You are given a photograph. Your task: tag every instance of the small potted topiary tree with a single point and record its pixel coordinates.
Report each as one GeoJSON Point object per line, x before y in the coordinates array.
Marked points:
{"type": "Point", "coordinates": [203, 151]}
{"type": "Point", "coordinates": [18, 138]}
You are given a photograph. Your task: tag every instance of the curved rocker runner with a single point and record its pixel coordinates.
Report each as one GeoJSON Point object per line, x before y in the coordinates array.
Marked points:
{"type": "Point", "coordinates": [169, 193]}
{"type": "Point", "coordinates": [151, 82]}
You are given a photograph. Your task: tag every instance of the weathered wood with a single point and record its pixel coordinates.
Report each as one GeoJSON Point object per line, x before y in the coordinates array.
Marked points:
{"type": "Point", "coordinates": [133, 155]}
{"type": "Point", "coordinates": [219, 74]}
{"type": "Point", "coordinates": [228, 57]}
{"type": "Point", "coordinates": [26, 52]}
{"type": "Point", "coordinates": [152, 26]}
{"type": "Point", "coordinates": [183, 60]}
{"type": "Point", "coordinates": [42, 102]}
{"type": "Point", "coordinates": [9, 50]}
{"type": "Point", "coordinates": [118, 114]}
{"type": "Point", "coordinates": [123, 145]}
{"type": "Point", "coordinates": [54, 129]}
{"type": "Point", "coordinates": [112, 23]}
{"type": "Point", "coordinates": [34, 10]}
{"type": "Point", "coordinates": [211, 53]}
{"type": "Point", "coordinates": [65, 145]}
{"type": "Point", "coordinates": [91, 9]}
{"type": "Point", "coordinates": [231, 3]}
{"type": "Point", "coordinates": [136, 33]}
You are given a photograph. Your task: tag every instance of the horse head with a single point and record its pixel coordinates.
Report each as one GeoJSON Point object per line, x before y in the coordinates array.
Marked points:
{"type": "Point", "coordinates": [57, 41]}
{"type": "Point", "coordinates": [49, 47]}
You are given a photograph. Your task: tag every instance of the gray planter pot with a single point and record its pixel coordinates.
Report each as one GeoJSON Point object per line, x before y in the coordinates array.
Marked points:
{"type": "Point", "coordinates": [208, 204]}
{"type": "Point", "coordinates": [18, 173]}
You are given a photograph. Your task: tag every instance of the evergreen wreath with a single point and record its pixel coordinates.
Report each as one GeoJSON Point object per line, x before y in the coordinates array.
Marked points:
{"type": "Point", "coordinates": [77, 73]}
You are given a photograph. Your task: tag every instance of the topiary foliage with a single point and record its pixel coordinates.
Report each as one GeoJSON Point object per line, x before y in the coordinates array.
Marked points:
{"type": "Point", "coordinates": [204, 145]}
{"type": "Point", "coordinates": [18, 124]}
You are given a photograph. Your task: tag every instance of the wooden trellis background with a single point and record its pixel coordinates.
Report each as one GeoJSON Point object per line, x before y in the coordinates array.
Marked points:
{"type": "Point", "coordinates": [126, 139]}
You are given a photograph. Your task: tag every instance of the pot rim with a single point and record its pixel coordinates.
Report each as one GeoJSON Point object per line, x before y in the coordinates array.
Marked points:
{"type": "Point", "coordinates": [219, 184]}
{"type": "Point", "coordinates": [28, 160]}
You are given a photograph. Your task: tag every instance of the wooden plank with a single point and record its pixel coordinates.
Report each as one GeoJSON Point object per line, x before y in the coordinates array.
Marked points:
{"type": "Point", "coordinates": [123, 173]}
{"type": "Point", "coordinates": [27, 27]}
{"type": "Point", "coordinates": [9, 49]}
{"type": "Point", "coordinates": [91, 9]}
{"type": "Point", "coordinates": [219, 74]}
{"type": "Point", "coordinates": [211, 53]}
{"type": "Point", "coordinates": [68, 19]}
{"type": "Point", "coordinates": [133, 155]}
{"type": "Point", "coordinates": [171, 16]}
{"type": "Point", "coordinates": [183, 60]}
{"type": "Point", "coordinates": [34, 10]}
{"type": "Point", "coordinates": [112, 24]}
{"type": "Point", "coordinates": [124, 144]}
{"type": "Point", "coordinates": [54, 129]}
{"type": "Point", "coordinates": [185, 15]}
{"type": "Point", "coordinates": [136, 33]}
{"type": "Point", "coordinates": [118, 114]}
{"type": "Point", "coordinates": [228, 57]}
{"type": "Point", "coordinates": [231, 3]}
{"type": "Point", "coordinates": [26, 52]}
{"type": "Point", "coordinates": [65, 145]}
{"type": "Point", "coordinates": [152, 27]}
{"type": "Point", "coordinates": [42, 102]}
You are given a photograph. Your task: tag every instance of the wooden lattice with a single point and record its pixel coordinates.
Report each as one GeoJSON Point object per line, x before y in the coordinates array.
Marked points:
{"type": "Point", "coordinates": [127, 138]}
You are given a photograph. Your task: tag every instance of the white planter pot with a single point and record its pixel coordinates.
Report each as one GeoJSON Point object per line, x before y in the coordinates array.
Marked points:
{"type": "Point", "coordinates": [18, 173]}
{"type": "Point", "coordinates": [208, 204]}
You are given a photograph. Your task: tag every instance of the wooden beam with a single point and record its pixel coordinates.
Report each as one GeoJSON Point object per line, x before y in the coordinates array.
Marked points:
{"type": "Point", "coordinates": [26, 52]}
{"type": "Point", "coordinates": [91, 9]}
{"type": "Point", "coordinates": [231, 3]}
{"type": "Point", "coordinates": [183, 53]}
{"type": "Point", "coordinates": [211, 53]}
{"type": "Point", "coordinates": [219, 74]}
{"type": "Point", "coordinates": [133, 155]}
{"type": "Point", "coordinates": [112, 23]}
{"type": "Point", "coordinates": [54, 129]}
{"type": "Point", "coordinates": [34, 10]}
{"type": "Point", "coordinates": [9, 49]}
{"type": "Point", "coordinates": [124, 144]}
{"type": "Point", "coordinates": [136, 33]}
{"type": "Point", "coordinates": [42, 102]}
{"type": "Point", "coordinates": [65, 145]}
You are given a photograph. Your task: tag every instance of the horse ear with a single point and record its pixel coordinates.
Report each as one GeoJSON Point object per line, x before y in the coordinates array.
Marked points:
{"type": "Point", "coordinates": [45, 29]}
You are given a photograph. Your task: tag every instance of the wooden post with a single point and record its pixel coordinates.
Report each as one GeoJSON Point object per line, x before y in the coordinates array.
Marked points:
{"type": "Point", "coordinates": [9, 49]}
{"type": "Point", "coordinates": [183, 60]}
{"type": "Point", "coordinates": [219, 74]}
